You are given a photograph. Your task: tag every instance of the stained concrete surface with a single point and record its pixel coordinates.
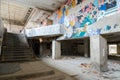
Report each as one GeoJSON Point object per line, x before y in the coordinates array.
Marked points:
{"type": "Point", "coordinates": [79, 67]}
{"type": "Point", "coordinates": [8, 68]}
{"type": "Point", "coordinates": [36, 70]}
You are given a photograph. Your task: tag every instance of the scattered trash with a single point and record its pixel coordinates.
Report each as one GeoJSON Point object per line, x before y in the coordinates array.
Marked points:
{"type": "Point", "coordinates": [68, 57]}
{"type": "Point", "coordinates": [85, 65]}
{"type": "Point", "coordinates": [95, 72]}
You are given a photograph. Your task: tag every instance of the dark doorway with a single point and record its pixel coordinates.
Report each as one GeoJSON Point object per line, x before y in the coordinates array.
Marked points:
{"type": "Point", "coordinates": [35, 44]}
{"type": "Point", "coordinates": [74, 47]}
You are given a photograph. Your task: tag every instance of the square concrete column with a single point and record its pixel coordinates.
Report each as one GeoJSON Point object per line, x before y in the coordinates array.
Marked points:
{"type": "Point", "coordinates": [118, 49]}
{"type": "Point", "coordinates": [41, 49]}
{"type": "Point", "coordinates": [98, 53]}
{"type": "Point", "coordinates": [56, 49]}
{"type": "Point", "coordinates": [86, 48]}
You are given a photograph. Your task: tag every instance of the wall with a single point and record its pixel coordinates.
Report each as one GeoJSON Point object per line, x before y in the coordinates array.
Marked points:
{"type": "Point", "coordinates": [38, 19]}
{"type": "Point", "coordinates": [13, 28]}
{"type": "Point", "coordinates": [88, 17]}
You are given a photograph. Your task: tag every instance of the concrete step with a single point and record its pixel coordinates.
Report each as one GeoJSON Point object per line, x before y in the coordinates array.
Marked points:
{"type": "Point", "coordinates": [17, 51]}
{"type": "Point", "coordinates": [16, 47]}
{"type": "Point", "coordinates": [24, 76]}
{"type": "Point", "coordinates": [16, 59]}
{"type": "Point", "coordinates": [51, 77]}
{"type": "Point", "coordinates": [16, 54]}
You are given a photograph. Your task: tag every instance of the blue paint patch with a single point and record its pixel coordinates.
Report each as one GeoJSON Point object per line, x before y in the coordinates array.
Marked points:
{"type": "Point", "coordinates": [108, 27]}
{"type": "Point", "coordinates": [96, 3]}
{"type": "Point", "coordinates": [62, 20]}
{"type": "Point", "coordinates": [103, 7]}
{"type": "Point", "coordinates": [77, 35]}
{"type": "Point", "coordinates": [82, 34]}
{"type": "Point", "coordinates": [98, 31]}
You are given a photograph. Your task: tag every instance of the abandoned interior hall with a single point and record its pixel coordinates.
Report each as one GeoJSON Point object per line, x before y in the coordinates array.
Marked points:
{"type": "Point", "coordinates": [59, 39]}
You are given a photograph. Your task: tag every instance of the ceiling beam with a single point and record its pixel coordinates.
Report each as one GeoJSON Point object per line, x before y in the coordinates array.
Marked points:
{"type": "Point", "coordinates": [59, 1]}
{"type": "Point", "coordinates": [47, 10]}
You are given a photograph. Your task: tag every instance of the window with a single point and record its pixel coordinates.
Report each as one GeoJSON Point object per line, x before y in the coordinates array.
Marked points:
{"type": "Point", "coordinates": [112, 49]}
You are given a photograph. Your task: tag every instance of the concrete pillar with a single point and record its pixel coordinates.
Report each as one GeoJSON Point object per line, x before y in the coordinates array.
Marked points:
{"type": "Point", "coordinates": [0, 49]}
{"type": "Point", "coordinates": [41, 49]}
{"type": "Point", "coordinates": [86, 48]}
{"type": "Point", "coordinates": [118, 48]}
{"type": "Point", "coordinates": [56, 49]}
{"type": "Point", "coordinates": [0, 44]}
{"type": "Point", "coordinates": [98, 53]}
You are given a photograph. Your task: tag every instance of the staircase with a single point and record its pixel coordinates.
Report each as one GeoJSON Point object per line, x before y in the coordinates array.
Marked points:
{"type": "Point", "coordinates": [15, 48]}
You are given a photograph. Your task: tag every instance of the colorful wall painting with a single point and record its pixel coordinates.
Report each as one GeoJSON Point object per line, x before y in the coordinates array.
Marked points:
{"type": "Point", "coordinates": [77, 25]}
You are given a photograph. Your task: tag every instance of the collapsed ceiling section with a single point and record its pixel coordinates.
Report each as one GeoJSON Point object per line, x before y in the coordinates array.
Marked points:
{"type": "Point", "coordinates": [21, 12]}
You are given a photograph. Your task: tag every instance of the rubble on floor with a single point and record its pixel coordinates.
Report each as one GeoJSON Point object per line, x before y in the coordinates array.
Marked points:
{"type": "Point", "coordinates": [80, 67]}
{"type": "Point", "coordinates": [70, 57]}
{"type": "Point", "coordinates": [114, 71]}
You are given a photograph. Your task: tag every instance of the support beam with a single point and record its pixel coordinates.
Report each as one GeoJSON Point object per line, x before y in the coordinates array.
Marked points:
{"type": "Point", "coordinates": [118, 48]}
{"type": "Point", "coordinates": [47, 10]}
{"type": "Point", "coordinates": [98, 53]}
{"type": "Point", "coordinates": [56, 49]}
{"type": "Point", "coordinates": [86, 48]}
{"type": "Point", "coordinates": [41, 49]}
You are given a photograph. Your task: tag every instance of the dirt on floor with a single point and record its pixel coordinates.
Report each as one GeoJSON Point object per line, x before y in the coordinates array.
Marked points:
{"type": "Point", "coordinates": [36, 70]}
{"type": "Point", "coordinates": [79, 67]}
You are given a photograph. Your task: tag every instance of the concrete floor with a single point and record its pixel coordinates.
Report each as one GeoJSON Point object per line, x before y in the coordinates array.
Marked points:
{"type": "Point", "coordinates": [36, 70]}
{"type": "Point", "coordinates": [80, 68]}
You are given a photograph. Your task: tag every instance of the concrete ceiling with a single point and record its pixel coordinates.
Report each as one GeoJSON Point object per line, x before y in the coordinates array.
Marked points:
{"type": "Point", "coordinates": [13, 13]}
{"type": "Point", "coordinates": [49, 5]}
{"type": "Point", "coordinates": [16, 12]}
{"type": "Point", "coordinates": [112, 37]}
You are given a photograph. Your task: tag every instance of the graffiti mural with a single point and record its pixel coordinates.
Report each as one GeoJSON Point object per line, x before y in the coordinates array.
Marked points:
{"type": "Point", "coordinates": [78, 25]}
